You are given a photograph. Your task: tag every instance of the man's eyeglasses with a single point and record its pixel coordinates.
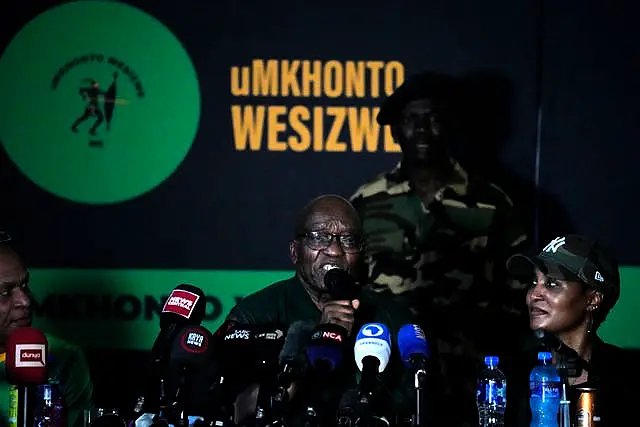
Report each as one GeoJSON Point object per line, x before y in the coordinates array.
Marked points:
{"type": "Point", "coordinates": [4, 237]}
{"type": "Point", "coordinates": [320, 240]}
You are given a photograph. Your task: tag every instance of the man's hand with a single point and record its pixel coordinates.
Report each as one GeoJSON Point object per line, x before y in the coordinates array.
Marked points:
{"type": "Point", "coordinates": [340, 313]}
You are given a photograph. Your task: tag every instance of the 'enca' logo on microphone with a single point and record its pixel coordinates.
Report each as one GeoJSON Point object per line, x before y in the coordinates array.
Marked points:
{"type": "Point", "coordinates": [334, 336]}
{"type": "Point", "coordinates": [30, 355]}
{"type": "Point", "coordinates": [181, 302]}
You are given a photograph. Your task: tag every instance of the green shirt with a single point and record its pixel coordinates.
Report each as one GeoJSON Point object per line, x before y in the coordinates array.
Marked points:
{"type": "Point", "coordinates": [287, 301]}
{"type": "Point", "coordinates": [75, 380]}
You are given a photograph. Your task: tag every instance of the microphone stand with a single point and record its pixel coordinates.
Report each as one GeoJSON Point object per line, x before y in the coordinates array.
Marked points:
{"type": "Point", "coordinates": [569, 365]}
{"type": "Point", "coordinates": [264, 409]}
{"type": "Point", "coordinates": [419, 384]}
{"type": "Point", "coordinates": [25, 405]}
{"type": "Point", "coordinates": [565, 408]}
{"type": "Point", "coordinates": [370, 366]}
{"type": "Point", "coordinates": [219, 414]}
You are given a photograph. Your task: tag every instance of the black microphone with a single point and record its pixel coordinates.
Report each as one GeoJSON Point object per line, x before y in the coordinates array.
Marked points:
{"type": "Point", "coordinates": [325, 353]}
{"type": "Point", "coordinates": [233, 352]}
{"type": "Point", "coordinates": [268, 341]}
{"type": "Point", "coordinates": [340, 285]}
{"type": "Point", "coordinates": [292, 358]}
{"type": "Point", "coordinates": [187, 381]}
{"type": "Point", "coordinates": [185, 306]}
{"type": "Point", "coordinates": [293, 363]}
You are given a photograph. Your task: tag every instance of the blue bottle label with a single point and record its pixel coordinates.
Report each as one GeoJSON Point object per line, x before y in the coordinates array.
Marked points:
{"type": "Point", "coordinates": [492, 392]}
{"type": "Point", "coordinates": [545, 391]}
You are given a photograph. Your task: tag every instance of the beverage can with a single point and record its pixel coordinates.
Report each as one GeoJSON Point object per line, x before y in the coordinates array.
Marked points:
{"type": "Point", "coordinates": [587, 411]}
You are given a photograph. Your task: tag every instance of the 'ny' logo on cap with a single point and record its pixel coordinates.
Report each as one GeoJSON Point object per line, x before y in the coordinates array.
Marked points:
{"type": "Point", "coordinates": [554, 245]}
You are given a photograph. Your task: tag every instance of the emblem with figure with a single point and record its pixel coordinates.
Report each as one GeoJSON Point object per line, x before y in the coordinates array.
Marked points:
{"type": "Point", "coordinates": [104, 105]}
{"type": "Point", "coordinates": [100, 104]}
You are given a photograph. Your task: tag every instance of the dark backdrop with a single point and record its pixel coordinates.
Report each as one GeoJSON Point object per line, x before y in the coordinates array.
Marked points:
{"type": "Point", "coordinates": [553, 121]}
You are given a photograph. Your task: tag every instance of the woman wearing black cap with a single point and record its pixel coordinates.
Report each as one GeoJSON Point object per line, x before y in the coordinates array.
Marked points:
{"type": "Point", "coordinates": [575, 283]}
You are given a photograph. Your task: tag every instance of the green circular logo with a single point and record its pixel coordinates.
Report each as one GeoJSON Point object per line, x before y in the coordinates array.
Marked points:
{"type": "Point", "coordinates": [100, 101]}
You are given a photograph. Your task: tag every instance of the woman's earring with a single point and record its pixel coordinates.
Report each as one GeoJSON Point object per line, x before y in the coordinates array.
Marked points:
{"type": "Point", "coordinates": [590, 319]}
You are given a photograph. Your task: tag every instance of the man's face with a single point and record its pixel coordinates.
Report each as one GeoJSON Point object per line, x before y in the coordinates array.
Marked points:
{"type": "Point", "coordinates": [331, 239]}
{"type": "Point", "coordinates": [420, 133]}
{"type": "Point", "coordinates": [15, 296]}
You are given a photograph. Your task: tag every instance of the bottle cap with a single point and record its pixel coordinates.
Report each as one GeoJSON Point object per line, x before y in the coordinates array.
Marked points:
{"type": "Point", "coordinates": [491, 360]}
{"type": "Point", "coordinates": [544, 355]}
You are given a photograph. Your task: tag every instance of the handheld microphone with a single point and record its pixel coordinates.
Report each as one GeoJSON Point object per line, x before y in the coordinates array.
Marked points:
{"type": "Point", "coordinates": [340, 285]}
{"type": "Point", "coordinates": [372, 352]}
{"type": "Point", "coordinates": [414, 351]}
{"type": "Point", "coordinates": [326, 347]}
{"type": "Point", "coordinates": [26, 367]}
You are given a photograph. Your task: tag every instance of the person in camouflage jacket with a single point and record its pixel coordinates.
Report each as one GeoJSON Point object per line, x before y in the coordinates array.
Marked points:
{"type": "Point", "coordinates": [438, 240]}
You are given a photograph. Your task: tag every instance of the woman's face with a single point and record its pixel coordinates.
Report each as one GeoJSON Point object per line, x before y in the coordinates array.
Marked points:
{"type": "Point", "coordinates": [557, 306]}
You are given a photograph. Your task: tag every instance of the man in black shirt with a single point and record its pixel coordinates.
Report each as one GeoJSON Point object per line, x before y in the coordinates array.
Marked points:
{"type": "Point", "coordinates": [328, 235]}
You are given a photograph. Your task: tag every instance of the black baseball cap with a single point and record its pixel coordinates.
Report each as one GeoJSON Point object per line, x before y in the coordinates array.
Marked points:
{"type": "Point", "coordinates": [438, 87]}
{"type": "Point", "coordinates": [573, 258]}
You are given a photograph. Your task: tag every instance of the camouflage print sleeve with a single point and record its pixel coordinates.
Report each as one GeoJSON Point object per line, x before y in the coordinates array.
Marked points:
{"type": "Point", "coordinates": [508, 237]}
{"type": "Point", "coordinates": [390, 220]}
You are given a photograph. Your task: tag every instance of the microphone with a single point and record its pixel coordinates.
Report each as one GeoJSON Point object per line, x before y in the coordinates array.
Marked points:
{"type": "Point", "coordinates": [324, 353]}
{"type": "Point", "coordinates": [326, 347]}
{"type": "Point", "coordinates": [372, 352]}
{"type": "Point", "coordinates": [413, 346]}
{"type": "Point", "coordinates": [414, 352]}
{"type": "Point", "coordinates": [185, 306]}
{"type": "Point", "coordinates": [293, 363]}
{"type": "Point", "coordinates": [340, 285]}
{"type": "Point", "coordinates": [233, 352]}
{"type": "Point", "coordinates": [292, 356]}
{"type": "Point", "coordinates": [26, 367]}
{"type": "Point", "coordinates": [268, 342]}
{"type": "Point", "coordinates": [190, 357]}
{"type": "Point", "coordinates": [268, 339]}
{"type": "Point", "coordinates": [26, 362]}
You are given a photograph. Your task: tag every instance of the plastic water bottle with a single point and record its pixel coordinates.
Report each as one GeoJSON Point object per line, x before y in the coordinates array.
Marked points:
{"type": "Point", "coordinates": [49, 409]}
{"type": "Point", "coordinates": [491, 395]}
{"type": "Point", "coordinates": [544, 392]}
